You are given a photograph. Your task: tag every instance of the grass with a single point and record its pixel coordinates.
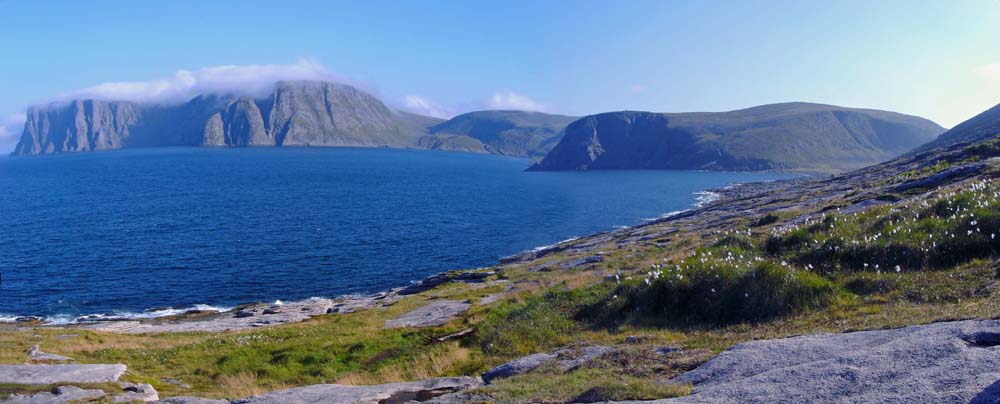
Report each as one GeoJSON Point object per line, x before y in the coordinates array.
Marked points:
{"type": "Point", "coordinates": [352, 347]}
{"type": "Point", "coordinates": [7, 390]}
{"type": "Point", "coordinates": [587, 385]}
{"type": "Point", "coordinates": [702, 292]}
{"type": "Point", "coordinates": [535, 324]}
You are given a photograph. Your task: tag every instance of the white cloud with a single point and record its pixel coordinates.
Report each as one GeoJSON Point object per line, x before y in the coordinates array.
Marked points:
{"type": "Point", "coordinates": [424, 106]}
{"type": "Point", "coordinates": [185, 84]}
{"type": "Point", "coordinates": [11, 127]}
{"type": "Point", "coordinates": [512, 100]}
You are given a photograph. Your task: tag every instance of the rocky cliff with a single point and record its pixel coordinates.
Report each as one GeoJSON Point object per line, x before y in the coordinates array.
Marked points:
{"type": "Point", "coordinates": [780, 136]}
{"type": "Point", "coordinates": [297, 113]}
{"type": "Point", "coordinates": [78, 126]}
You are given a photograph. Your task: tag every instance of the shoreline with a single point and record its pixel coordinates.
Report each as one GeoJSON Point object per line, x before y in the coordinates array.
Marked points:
{"type": "Point", "coordinates": [701, 199]}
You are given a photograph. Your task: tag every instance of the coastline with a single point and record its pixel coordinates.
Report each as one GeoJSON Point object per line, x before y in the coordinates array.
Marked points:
{"type": "Point", "coordinates": [203, 311]}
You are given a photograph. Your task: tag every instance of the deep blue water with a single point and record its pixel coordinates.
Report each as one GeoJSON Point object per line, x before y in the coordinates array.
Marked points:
{"type": "Point", "coordinates": [125, 231]}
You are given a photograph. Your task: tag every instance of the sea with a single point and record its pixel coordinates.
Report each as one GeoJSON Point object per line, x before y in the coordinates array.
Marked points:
{"type": "Point", "coordinates": [148, 232]}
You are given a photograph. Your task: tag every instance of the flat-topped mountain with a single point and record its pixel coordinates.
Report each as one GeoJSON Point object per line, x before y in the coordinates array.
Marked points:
{"type": "Point", "coordinates": [296, 113]}
{"type": "Point", "coordinates": [512, 133]}
{"type": "Point", "coordinates": [796, 136]}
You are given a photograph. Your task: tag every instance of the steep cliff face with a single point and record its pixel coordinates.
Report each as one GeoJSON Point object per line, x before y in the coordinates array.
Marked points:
{"type": "Point", "coordinates": [78, 126]}
{"type": "Point", "coordinates": [297, 113]}
{"type": "Point", "coordinates": [243, 125]}
{"type": "Point", "coordinates": [328, 114]}
{"type": "Point", "coordinates": [780, 136]}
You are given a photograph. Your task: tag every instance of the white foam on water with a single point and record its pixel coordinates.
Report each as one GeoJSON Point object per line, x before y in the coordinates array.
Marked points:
{"type": "Point", "coordinates": [65, 319]}
{"type": "Point", "coordinates": [705, 197]}
{"type": "Point", "coordinates": [554, 244]}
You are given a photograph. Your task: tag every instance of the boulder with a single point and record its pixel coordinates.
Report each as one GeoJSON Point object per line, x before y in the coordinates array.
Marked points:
{"type": "Point", "coordinates": [37, 355]}
{"type": "Point", "coordinates": [383, 393]}
{"type": "Point", "coordinates": [136, 392]}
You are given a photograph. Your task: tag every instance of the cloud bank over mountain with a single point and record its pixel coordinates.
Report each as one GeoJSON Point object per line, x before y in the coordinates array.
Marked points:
{"type": "Point", "coordinates": [225, 79]}
{"type": "Point", "coordinates": [10, 129]}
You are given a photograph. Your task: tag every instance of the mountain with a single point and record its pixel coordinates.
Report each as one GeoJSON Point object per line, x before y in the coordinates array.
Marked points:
{"type": "Point", "coordinates": [793, 136]}
{"type": "Point", "coordinates": [295, 113]}
{"type": "Point", "coordinates": [982, 126]}
{"type": "Point", "coordinates": [511, 133]}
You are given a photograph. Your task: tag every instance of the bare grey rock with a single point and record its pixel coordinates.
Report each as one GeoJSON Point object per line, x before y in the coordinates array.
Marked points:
{"type": "Point", "coordinates": [60, 373]}
{"type": "Point", "coordinates": [261, 315]}
{"type": "Point", "coordinates": [950, 362]}
{"type": "Point", "coordinates": [435, 313]}
{"type": "Point", "coordinates": [440, 279]}
{"type": "Point", "coordinates": [189, 400]}
{"type": "Point", "coordinates": [948, 175]}
{"type": "Point", "coordinates": [136, 392]}
{"type": "Point", "coordinates": [493, 298]}
{"type": "Point", "coordinates": [565, 359]}
{"type": "Point", "coordinates": [518, 366]}
{"type": "Point", "coordinates": [578, 262]}
{"type": "Point", "coordinates": [58, 395]}
{"type": "Point", "coordinates": [175, 382]}
{"type": "Point", "coordinates": [37, 355]}
{"type": "Point", "coordinates": [383, 393]}
{"type": "Point", "coordinates": [574, 360]}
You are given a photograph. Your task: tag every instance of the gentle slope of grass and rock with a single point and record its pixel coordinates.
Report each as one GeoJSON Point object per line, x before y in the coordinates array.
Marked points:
{"type": "Point", "coordinates": [698, 306]}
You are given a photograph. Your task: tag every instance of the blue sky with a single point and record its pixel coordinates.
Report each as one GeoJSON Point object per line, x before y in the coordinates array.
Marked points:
{"type": "Point", "coordinates": [935, 59]}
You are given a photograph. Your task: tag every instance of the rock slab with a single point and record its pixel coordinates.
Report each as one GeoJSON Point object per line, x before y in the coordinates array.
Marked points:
{"type": "Point", "coordinates": [60, 373]}
{"type": "Point", "coordinates": [567, 360]}
{"type": "Point", "coordinates": [59, 395]}
{"type": "Point", "coordinates": [436, 313]}
{"type": "Point", "coordinates": [189, 400]}
{"type": "Point", "coordinates": [950, 362]}
{"type": "Point", "coordinates": [382, 393]}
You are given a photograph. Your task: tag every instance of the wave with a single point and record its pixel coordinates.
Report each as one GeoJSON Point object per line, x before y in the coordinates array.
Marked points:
{"type": "Point", "coordinates": [65, 319]}
{"type": "Point", "coordinates": [554, 244]}
{"type": "Point", "coordinates": [703, 198]}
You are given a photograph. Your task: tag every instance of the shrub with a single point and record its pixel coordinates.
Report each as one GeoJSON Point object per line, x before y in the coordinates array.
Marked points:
{"type": "Point", "coordinates": [719, 294]}
{"type": "Point", "coordinates": [535, 324]}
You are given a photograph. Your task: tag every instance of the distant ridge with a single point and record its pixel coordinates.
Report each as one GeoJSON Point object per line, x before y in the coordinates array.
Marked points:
{"type": "Point", "coordinates": [789, 136]}
{"type": "Point", "coordinates": [295, 113]}
{"type": "Point", "coordinates": [980, 127]}
{"type": "Point", "coordinates": [513, 133]}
